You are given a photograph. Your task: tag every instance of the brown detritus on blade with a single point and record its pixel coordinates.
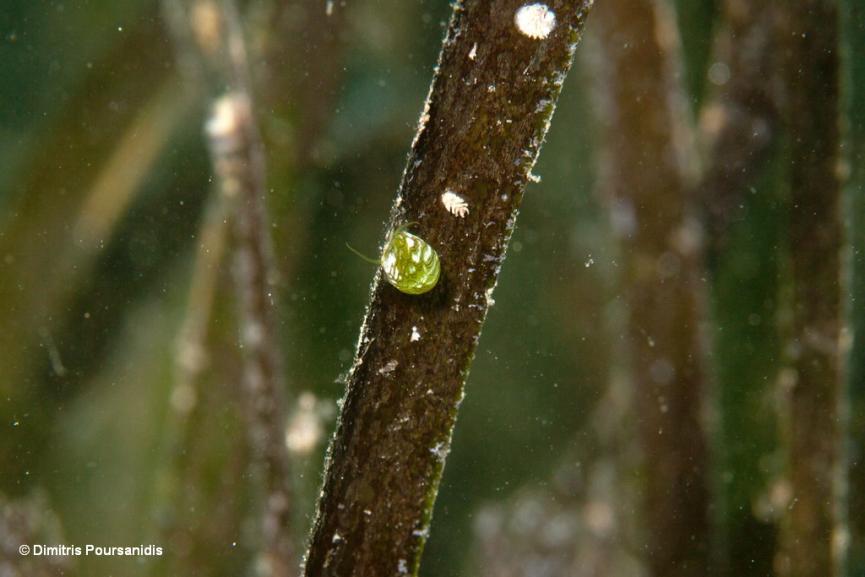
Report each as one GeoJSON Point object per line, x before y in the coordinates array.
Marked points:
{"type": "Point", "coordinates": [488, 110]}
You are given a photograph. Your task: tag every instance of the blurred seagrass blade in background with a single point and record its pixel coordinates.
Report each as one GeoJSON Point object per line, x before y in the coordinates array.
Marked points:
{"type": "Point", "coordinates": [739, 194]}
{"type": "Point", "coordinates": [814, 528]}
{"type": "Point", "coordinates": [646, 169]}
{"type": "Point", "coordinates": [211, 41]}
{"type": "Point", "coordinates": [65, 203]}
{"type": "Point", "coordinates": [853, 28]}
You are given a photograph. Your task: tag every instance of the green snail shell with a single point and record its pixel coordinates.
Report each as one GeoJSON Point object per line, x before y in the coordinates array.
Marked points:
{"type": "Point", "coordinates": [409, 263]}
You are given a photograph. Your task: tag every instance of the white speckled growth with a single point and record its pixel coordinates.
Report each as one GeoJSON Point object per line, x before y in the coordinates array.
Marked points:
{"type": "Point", "coordinates": [535, 20]}
{"type": "Point", "coordinates": [455, 204]}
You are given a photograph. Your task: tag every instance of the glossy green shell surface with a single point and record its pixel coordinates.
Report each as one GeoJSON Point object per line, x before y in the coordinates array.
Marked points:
{"type": "Point", "coordinates": [409, 263]}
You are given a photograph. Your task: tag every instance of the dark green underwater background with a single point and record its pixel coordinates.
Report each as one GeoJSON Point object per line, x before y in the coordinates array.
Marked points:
{"type": "Point", "coordinates": [98, 134]}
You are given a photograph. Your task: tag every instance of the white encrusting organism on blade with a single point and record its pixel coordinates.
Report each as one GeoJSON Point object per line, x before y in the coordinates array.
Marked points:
{"type": "Point", "coordinates": [535, 20]}
{"type": "Point", "coordinates": [440, 450]}
{"type": "Point", "coordinates": [389, 367]}
{"type": "Point", "coordinates": [455, 204]}
{"type": "Point", "coordinates": [489, 296]}
{"type": "Point", "coordinates": [424, 118]}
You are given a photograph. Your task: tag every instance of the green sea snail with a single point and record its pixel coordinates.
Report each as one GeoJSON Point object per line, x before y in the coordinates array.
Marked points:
{"type": "Point", "coordinates": [409, 263]}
